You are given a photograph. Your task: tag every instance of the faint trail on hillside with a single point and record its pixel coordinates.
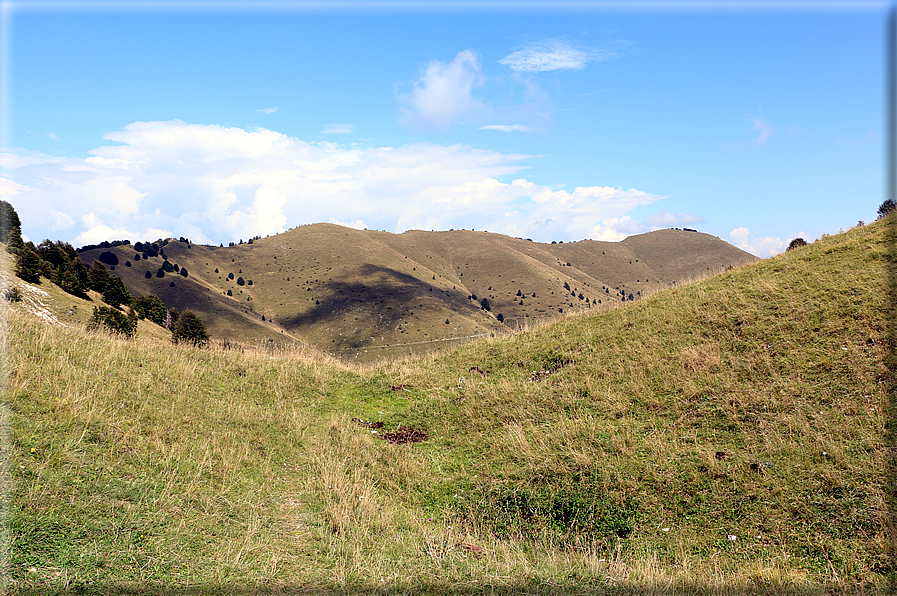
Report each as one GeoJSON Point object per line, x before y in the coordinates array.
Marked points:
{"type": "Point", "coordinates": [413, 343]}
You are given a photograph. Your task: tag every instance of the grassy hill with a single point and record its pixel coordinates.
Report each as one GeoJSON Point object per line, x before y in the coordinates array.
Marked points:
{"type": "Point", "coordinates": [724, 436]}
{"type": "Point", "coordinates": [364, 295]}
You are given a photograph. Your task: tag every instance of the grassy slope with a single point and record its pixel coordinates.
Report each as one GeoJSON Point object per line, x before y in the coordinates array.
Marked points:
{"type": "Point", "coordinates": [138, 463]}
{"type": "Point", "coordinates": [367, 295]}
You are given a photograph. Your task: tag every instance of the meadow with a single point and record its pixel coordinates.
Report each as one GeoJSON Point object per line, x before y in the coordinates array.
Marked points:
{"type": "Point", "coordinates": [726, 436]}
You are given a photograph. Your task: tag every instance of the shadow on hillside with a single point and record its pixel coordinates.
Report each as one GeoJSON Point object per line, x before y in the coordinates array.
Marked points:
{"type": "Point", "coordinates": [388, 296]}
{"type": "Point", "coordinates": [436, 589]}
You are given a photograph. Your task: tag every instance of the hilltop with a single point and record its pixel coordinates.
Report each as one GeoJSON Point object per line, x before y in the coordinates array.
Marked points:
{"type": "Point", "coordinates": [723, 436]}
{"type": "Point", "coordinates": [363, 294]}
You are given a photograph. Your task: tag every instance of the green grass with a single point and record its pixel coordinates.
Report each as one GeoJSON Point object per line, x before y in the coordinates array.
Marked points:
{"type": "Point", "coordinates": [613, 452]}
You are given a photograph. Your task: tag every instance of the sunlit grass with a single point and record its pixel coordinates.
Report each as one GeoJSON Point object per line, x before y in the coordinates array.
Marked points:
{"type": "Point", "coordinates": [723, 437]}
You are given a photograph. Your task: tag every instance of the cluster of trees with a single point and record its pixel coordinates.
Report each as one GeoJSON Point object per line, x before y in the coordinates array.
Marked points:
{"type": "Point", "coordinates": [104, 244]}
{"type": "Point", "coordinates": [60, 263]}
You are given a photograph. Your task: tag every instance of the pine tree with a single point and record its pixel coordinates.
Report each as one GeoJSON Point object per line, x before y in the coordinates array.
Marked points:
{"type": "Point", "coordinates": [116, 293]}
{"type": "Point", "coordinates": [10, 227]}
{"type": "Point", "coordinates": [99, 277]}
{"type": "Point", "coordinates": [29, 266]}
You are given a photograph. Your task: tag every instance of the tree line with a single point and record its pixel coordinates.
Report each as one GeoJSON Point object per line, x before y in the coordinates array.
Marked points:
{"type": "Point", "coordinates": [60, 263]}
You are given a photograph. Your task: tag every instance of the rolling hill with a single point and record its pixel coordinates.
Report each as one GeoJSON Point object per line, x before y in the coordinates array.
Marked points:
{"type": "Point", "coordinates": [368, 294]}
{"type": "Point", "coordinates": [726, 436]}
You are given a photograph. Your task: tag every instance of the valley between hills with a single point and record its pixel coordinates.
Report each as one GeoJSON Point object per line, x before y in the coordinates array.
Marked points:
{"type": "Point", "coordinates": [363, 295]}
{"type": "Point", "coordinates": [724, 436]}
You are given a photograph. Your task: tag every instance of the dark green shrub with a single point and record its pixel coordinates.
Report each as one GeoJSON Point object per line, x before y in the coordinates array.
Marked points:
{"type": "Point", "coordinates": [183, 272]}
{"type": "Point", "coordinates": [108, 258]}
{"type": "Point", "coordinates": [152, 308]}
{"type": "Point", "coordinates": [113, 320]}
{"type": "Point", "coordinates": [241, 281]}
{"type": "Point", "coordinates": [796, 243]}
{"type": "Point", "coordinates": [189, 329]}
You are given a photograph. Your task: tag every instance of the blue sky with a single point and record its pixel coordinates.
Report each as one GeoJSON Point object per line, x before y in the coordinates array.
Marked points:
{"type": "Point", "coordinates": [218, 122]}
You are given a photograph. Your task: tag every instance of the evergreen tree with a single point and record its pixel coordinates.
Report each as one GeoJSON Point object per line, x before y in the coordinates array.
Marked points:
{"type": "Point", "coordinates": [116, 293]}
{"type": "Point", "coordinates": [99, 277]}
{"type": "Point", "coordinates": [189, 329]}
{"type": "Point", "coordinates": [29, 266]}
{"type": "Point", "coordinates": [152, 308]}
{"type": "Point", "coordinates": [10, 227]}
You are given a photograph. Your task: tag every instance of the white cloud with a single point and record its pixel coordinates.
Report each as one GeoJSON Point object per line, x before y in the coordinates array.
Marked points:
{"type": "Point", "coordinates": [270, 110]}
{"type": "Point", "coordinates": [550, 55]}
{"type": "Point", "coordinates": [507, 127]}
{"type": "Point", "coordinates": [355, 225]}
{"type": "Point", "coordinates": [761, 247]}
{"type": "Point", "coordinates": [763, 129]}
{"type": "Point", "coordinates": [338, 129]}
{"type": "Point", "coordinates": [214, 185]}
{"type": "Point", "coordinates": [444, 93]}
{"type": "Point", "coordinates": [61, 221]}
{"type": "Point", "coordinates": [671, 220]}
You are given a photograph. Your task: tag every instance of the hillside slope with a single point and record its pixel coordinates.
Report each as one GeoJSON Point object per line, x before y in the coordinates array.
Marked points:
{"type": "Point", "coordinates": [725, 436]}
{"type": "Point", "coordinates": [368, 294]}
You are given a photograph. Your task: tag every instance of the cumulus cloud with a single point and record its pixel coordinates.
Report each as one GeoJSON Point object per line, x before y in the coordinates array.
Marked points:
{"type": "Point", "coordinates": [761, 247]}
{"type": "Point", "coordinates": [338, 129]}
{"type": "Point", "coordinates": [270, 110]}
{"type": "Point", "coordinates": [444, 93]}
{"type": "Point", "coordinates": [507, 127]}
{"type": "Point", "coordinates": [550, 55]}
{"type": "Point", "coordinates": [214, 185]}
{"type": "Point", "coordinates": [763, 129]}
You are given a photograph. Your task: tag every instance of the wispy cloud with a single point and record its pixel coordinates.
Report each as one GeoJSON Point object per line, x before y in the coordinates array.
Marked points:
{"type": "Point", "coordinates": [270, 110]}
{"type": "Point", "coordinates": [763, 129]}
{"type": "Point", "coordinates": [507, 127]}
{"type": "Point", "coordinates": [551, 55]}
{"type": "Point", "coordinates": [215, 184]}
{"type": "Point", "coordinates": [671, 220]}
{"type": "Point", "coordinates": [444, 93]}
{"type": "Point", "coordinates": [338, 129]}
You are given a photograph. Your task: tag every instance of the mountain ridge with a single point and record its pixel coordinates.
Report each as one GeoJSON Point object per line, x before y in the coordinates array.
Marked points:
{"type": "Point", "coordinates": [364, 291]}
